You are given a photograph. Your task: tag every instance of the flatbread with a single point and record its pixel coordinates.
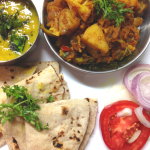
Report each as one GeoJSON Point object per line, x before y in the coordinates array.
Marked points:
{"type": "Point", "coordinates": [2, 140]}
{"type": "Point", "coordinates": [92, 120]}
{"type": "Point", "coordinates": [14, 133]}
{"type": "Point", "coordinates": [41, 85]}
{"type": "Point", "coordinates": [50, 83]}
{"type": "Point", "coordinates": [65, 86]}
{"type": "Point", "coordinates": [41, 65]}
{"type": "Point", "coordinates": [67, 119]}
{"type": "Point", "coordinates": [10, 75]}
{"type": "Point", "coordinates": [62, 125]}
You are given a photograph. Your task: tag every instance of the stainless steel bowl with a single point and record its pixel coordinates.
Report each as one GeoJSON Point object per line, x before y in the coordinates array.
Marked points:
{"type": "Point", "coordinates": [31, 49]}
{"type": "Point", "coordinates": [114, 66]}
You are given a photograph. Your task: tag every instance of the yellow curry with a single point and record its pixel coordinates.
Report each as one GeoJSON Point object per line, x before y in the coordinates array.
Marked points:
{"type": "Point", "coordinates": [21, 13]}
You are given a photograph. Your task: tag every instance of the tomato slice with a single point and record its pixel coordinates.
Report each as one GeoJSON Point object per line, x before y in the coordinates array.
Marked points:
{"type": "Point", "coordinates": [116, 131]}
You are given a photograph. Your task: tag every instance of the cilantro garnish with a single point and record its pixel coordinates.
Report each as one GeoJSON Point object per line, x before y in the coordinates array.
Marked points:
{"type": "Point", "coordinates": [112, 10]}
{"type": "Point", "coordinates": [8, 23]}
{"type": "Point", "coordinates": [24, 106]}
{"type": "Point", "coordinates": [17, 43]}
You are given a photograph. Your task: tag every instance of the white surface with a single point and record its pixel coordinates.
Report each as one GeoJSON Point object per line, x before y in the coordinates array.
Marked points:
{"type": "Point", "coordinates": [83, 85]}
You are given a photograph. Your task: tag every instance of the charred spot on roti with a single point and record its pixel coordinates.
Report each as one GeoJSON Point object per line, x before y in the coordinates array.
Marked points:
{"type": "Point", "coordinates": [60, 134]}
{"type": "Point", "coordinates": [77, 118]}
{"type": "Point", "coordinates": [75, 138]}
{"type": "Point", "coordinates": [16, 146]}
{"type": "Point", "coordinates": [31, 78]}
{"type": "Point", "coordinates": [27, 81]}
{"type": "Point", "coordinates": [39, 73]}
{"type": "Point", "coordinates": [11, 70]}
{"type": "Point", "coordinates": [72, 119]}
{"type": "Point", "coordinates": [65, 110]}
{"type": "Point", "coordinates": [57, 144]}
{"type": "Point", "coordinates": [79, 125]}
{"type": "Point", "coordinates": [54, 138]}
{"type": "Point", "coordinates": [5, 82]}
{"type": "Point", "coordinates": [87, 99]}
{"type": "Point", "coordinates": [61, 78]}
{"type": "Point", "coordinates": [78, 131]}
{"type": "Point", "coordinates": [12, 77]}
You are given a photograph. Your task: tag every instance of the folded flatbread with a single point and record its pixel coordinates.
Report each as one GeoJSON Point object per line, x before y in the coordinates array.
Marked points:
{"type": "Point", "coordinates": [93, 105]}
{"type": "Point", "coordinates": [68, 127]}
{"type": "Point", "coordinates": [58, 87]}
{"type": "Point", "coordinates": [68, 121]}
{"type": "Point", "coordinates": [41, 65]}
{"type": "Point", "coordinates": [10, 75]}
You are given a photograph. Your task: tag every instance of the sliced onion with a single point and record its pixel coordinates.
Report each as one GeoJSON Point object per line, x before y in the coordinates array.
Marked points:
{"type": "Point", "coordinates": [140, 89]}
{"type": "Point", "coordinates": [135, 136]}
{"type": "Point", "coordinates": [139, 113]}
{"type": "Point", "coordinates": [125, 112]}
{"type": "Point", "coordinates": [132, 72]}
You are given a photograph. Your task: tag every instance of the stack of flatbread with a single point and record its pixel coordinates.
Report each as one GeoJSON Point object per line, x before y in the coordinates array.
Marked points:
{"type": "Point", "coordinates": [71, 121]}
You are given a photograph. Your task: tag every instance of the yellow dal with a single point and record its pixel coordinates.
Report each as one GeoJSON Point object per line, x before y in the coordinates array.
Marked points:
{"type": "Point", "coordinates": [30, 29]}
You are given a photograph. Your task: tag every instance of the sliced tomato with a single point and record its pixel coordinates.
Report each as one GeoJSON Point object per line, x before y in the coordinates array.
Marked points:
{"type": "Point", "coordinates": [65, 48]}
{"type": "Point", "coordinates": [116, 131]}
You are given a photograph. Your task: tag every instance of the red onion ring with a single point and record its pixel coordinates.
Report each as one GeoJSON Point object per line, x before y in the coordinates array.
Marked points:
{"type": "Point", "coordinates": [139, 113]}
{"type": "Point", "coordinates": [140, 90]}
{"type": "Point", "coordinates": [132, 72]}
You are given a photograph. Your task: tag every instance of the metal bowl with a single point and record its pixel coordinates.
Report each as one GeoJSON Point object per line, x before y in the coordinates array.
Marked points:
{"type": "Point", "coordinates": [114, 66]}
{"type": "Point", "coordinates": [31, 49]}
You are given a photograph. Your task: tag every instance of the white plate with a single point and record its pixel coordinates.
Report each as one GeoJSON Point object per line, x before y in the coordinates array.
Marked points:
{"type": "Point", "coordinates": [83, 85]}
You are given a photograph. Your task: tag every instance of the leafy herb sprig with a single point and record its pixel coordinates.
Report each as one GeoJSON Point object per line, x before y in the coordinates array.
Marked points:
{"type": "Point", "coordinates": [112, 10]}
{"type": "Point", "coordinates": [17, 43]}
{"type": "Point", "coordinates": [24, 106]}
{"type": "Point", "coordinates": [9, 22]}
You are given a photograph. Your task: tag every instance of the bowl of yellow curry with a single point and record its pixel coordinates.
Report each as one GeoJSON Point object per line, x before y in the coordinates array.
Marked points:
{"type": "Point", "coordinates": [19, 30]}
{"type": "Point", "coordinates": [97, 36]}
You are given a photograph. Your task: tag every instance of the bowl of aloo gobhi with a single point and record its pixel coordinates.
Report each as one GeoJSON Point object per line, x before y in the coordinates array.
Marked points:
{"type": "Point", "coordinates": [97, 36]}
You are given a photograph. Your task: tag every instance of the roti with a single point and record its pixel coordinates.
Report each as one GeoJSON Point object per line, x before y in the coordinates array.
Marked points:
{"type": "Point", "coordinates": [10, 75]}
{"type": "Point", "coordinates": [68, 126]}
{"type": "Point", "coordinates": [67, 119]}
{"type": "Point", "coordinates": [93, 106]}
{"type": "Point", "coordinates": [41, 65]}
{"type": "Point", "coordinates": [19, 73]}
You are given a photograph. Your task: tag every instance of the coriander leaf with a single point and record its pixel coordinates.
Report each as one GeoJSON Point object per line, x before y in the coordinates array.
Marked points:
{"type": "Point", "coordinates": [50, 99]}
{"type": "Point", "coordinates": [24, 106]}
{"type": "Point", "coordinates": [17, 42]}
{"type": "Point", "coordinates": [9, 22]}
{"type": "Point", "coordinates": [112, 10]}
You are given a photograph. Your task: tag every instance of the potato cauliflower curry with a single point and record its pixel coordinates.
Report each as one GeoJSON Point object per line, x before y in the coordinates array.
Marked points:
{"type": "Point", "coordinates": [96, 31]}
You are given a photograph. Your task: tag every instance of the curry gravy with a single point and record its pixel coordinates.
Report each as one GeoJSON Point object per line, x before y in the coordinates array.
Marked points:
{"type": "Point", "coordinates": [26, 11]}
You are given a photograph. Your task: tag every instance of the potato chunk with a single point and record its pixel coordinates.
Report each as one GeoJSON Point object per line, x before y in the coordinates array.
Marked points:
{"type": "Point", "coordinates": [94, 38]}
{"type": "Point", "coordinates": [67, 22]}
{"type": "Point", "coordinates": [82, 10]}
